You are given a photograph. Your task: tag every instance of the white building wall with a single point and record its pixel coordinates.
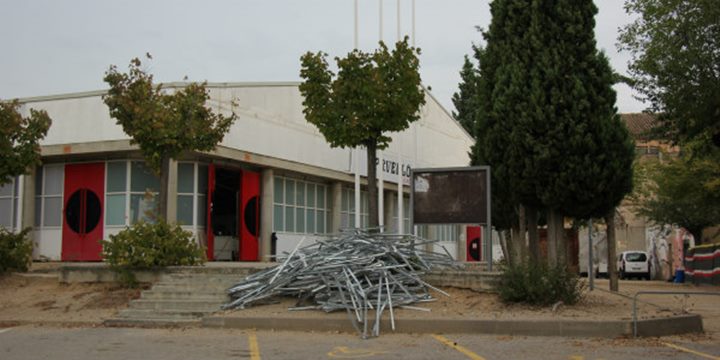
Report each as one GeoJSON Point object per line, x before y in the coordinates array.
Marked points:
{"type": "Point", "coordinates": [270, 123]}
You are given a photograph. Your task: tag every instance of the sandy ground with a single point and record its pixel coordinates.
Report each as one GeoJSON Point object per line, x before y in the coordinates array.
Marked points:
{"type": "Point", "coordinates": [599, 304]}
{"type": "Point", "coordinates": [41, 298]}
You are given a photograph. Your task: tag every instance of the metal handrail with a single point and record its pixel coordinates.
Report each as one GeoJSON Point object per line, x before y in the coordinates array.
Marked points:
{"type": "Point", "coordinates": [653, 292]}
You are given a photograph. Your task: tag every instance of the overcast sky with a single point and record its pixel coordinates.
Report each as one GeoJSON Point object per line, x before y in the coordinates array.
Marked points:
{"type": "Point", "coordinates": [53, 47]}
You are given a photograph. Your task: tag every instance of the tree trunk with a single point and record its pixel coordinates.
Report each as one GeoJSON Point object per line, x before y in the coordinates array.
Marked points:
{"type": "Point", "coordinates": [373, 220]}
{"type": "Point", "coordinates": [552, 243]}
{"type": "Point", "coordinates": [512, 244]}
{"type": "Point", "coordinates": [611, 250]}
{"type": "Point", "coordinates": [505, 239]}
{"type": "Point", "coordinates": [161, 210]}
{"type": "Point", "coordinates": [697, 235]}
{"type": "Point", "coordinates": [522, 245]}
{"type": "Point", "coordinates": [533, 238]}
{"type": "Point", "coordinates": [561, 241]}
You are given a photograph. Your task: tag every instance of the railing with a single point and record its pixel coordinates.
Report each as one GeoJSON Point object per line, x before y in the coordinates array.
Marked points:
{"type": "Point", "coordinates": [649, 292]}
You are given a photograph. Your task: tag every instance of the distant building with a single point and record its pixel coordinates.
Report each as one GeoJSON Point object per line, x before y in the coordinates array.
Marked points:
{"type": "Point", "coordinates": [272, 174]}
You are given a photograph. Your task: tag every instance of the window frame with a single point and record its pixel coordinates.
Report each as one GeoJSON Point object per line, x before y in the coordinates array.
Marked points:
{"type": "Point", "coordinates": [281, 207]}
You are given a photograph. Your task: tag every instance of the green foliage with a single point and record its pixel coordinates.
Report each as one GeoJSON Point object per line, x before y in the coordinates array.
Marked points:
{"type": "Point", "coordinates": [535, 284]}
{"type": "Point", "coordinates": [683, 192]}
{"type": "Point", "coordinates": [546, 118]}
{"type": "Point", "coordinates": [464, 99]}
{"type": "Point", "coordinates": [15, 250]}
{"type": "Point", "coordinates": [675, 49]}
{"type": "Point", "coordinates": [371, 95]}
{"type": "Point", "coordinates": [164, 124]}
{"type": "Point", "coordinates": [150, 245]}
{"type": "Point", "coordinates": [19, 139]}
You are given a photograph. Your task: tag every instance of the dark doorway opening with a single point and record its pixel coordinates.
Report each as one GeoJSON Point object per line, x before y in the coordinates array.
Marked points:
{"type": "Point", "coordinates": [225, 213]}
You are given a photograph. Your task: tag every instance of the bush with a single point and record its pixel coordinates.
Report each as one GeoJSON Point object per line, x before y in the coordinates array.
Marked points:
{"type": "Point", "coordinates": [148, 246]}
{"type": "Point", "coordinates": [15, 250]}
{"type": "Point", "coordinates": [539, 284]}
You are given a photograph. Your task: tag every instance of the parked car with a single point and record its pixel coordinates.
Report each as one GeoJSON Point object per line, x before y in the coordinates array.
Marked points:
{"type": "Point", "coordinates": [634, 264]}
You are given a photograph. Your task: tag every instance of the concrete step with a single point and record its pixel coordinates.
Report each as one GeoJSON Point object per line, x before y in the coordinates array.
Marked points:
{"type": "Point", "coordinates": [200, 282]}
{"type": "Point", "coordinates": [184, 295]}
{"type": "Point", "coordinates": [150, 322]}
{"type": "Point", "coordinates": [192, 305]}
{"type": "Point", "coordinates": [171, 314]}
{"type": "Point", "coordinates": [195, 288]}
{"type": "Point", "coordinates": [203, 277]}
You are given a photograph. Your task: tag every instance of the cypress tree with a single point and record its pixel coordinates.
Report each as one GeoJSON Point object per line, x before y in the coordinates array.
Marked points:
{"type": "Point", "coordinates": [546, 120]}
{"type": "Point", "coordinates": [464, 99]}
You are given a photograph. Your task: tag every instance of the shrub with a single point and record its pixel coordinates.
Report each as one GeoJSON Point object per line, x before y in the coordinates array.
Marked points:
{"type": "Point", "coordinates": [15, 250]}
{"type": "Point", "coordinates": [150, 245]}
{"type": "Point", "coordinates": [539, 284]}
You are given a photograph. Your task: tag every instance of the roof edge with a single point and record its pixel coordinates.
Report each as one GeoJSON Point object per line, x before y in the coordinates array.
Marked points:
{"type": "Point", "coordinates": [170, 85]}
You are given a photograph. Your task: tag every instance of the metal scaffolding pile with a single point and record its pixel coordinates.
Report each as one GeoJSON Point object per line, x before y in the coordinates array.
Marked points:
{"type": "Point", "coordinates": [355, 271]}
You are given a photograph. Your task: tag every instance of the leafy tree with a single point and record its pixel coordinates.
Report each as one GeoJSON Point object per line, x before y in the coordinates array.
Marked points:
{"type": "Point", "coordinates": [372, 94]}
{"type": "Point", "coordinates": [163, 124]}
{"type": "Point", "coordinates": [546, 119]}
{"type": "Point", "coordinates": [681, 192]}
{"type": "Point", "coordinates": [464, 99]}
{"type": "Point", "coordinates": [675, 48]}
{"type": "Point", "coordinates": [19, 140]}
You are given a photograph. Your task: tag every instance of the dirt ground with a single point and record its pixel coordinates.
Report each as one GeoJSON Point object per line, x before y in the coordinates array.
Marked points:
{"type": "Point", "coordinates": [599, 304]}
{"type": "Point", "coordinates": [40, 298]}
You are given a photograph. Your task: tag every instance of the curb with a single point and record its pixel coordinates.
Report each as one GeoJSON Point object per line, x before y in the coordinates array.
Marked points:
{"type": "Point", "coordinates": [51, 323]}
{"type": "Point", "coordinates": [565, 328]}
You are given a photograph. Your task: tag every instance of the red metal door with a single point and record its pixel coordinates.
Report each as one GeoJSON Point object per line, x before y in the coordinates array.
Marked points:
{"type": "Point", "coordinates": [474, 243]}
{"type": "Point", "coordinates": [249, 215]}
{"type": "Point", "coordinates": [83, 212]}
{"type": "Point", "coordinates": [211, 192]}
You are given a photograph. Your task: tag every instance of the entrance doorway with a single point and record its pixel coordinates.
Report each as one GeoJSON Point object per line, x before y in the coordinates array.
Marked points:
{"type": "Point", "coordinates": [233, 216]}
{"type": "Point", "coordinates": [474, 243]}
{"type": "Point", "coordinates": [83, 212]}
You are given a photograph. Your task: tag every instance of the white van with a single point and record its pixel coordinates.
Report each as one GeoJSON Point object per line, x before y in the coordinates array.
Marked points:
{"type": "Point", "coordinates": [634, 264]}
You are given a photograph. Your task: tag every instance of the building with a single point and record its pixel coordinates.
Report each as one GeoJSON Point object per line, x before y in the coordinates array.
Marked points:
{"type": "Point", "coordinates": [273, 176]}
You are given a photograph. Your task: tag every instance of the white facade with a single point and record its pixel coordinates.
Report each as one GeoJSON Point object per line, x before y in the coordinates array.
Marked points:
{"type": "Point", "coordinates": [270, 137]}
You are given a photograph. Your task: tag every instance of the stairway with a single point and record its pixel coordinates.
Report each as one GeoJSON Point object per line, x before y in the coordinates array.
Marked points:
{"type": "Point", "coordinates": [180, 299]}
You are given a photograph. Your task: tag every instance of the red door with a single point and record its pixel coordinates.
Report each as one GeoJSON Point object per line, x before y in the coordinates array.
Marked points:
{"type": "Point", "coordinates": [249, 215]}
{"type": "Point", "coordinates": [474, 243]}
{"type": "Point", "coordinates": [83, 212]}
{"type": "Point", "coordinates": [210, 193]}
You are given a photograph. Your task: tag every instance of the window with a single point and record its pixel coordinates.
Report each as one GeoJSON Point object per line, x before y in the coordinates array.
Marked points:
{"type": "Point", "coordinates": [115, 193]}
{"type": "Point", "coordinates": [406, 217]}
{"type": "Point", "coordinates": [447, 232]}
{"type": "Point", "coordinates": [130, 192]}
{"type": "Point", "coordinates": [49, 183]}
{"type": "Point", "coordinates": [299, 206]}
{"type": "Point", "coordinates": [192, 194]}
{"type": "Point", "coordinates": [347, 209]}
{"type": "Point", "coordinates": [9, 204]}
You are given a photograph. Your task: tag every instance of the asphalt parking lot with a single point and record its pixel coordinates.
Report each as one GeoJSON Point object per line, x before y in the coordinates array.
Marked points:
{"type": "Point", "coordinates": [29, 342]}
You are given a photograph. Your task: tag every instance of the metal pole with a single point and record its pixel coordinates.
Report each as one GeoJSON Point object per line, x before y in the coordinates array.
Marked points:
{"type": "Point", "coordinates": [489, 222]}
{"type": "Point", "coordinates": [591, 276]}
{"type": "Point", "coordinates": [356, 151]}
{"type": "Point", "coordinates": [399, 38]}
{"type": "Point", "coordinates": [381, 158]}
{"type": "Point", "coordinates": [413, 23]}
{"type": "Point", "coordinates": [401, 229]}
{"type": "Point", "coordinates": [355, 34]}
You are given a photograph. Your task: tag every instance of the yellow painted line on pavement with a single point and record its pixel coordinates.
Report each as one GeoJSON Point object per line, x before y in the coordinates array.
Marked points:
{"type": "Point", "coordinates": [254, 347]}
{"type": "Point", "coordinates": [698, 353]}
{"type": "Point", "coordinates": [449, 343]}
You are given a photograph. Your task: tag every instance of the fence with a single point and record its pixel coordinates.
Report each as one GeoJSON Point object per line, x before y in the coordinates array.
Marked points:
{"type": "Point", "coordinates": [702, 264]}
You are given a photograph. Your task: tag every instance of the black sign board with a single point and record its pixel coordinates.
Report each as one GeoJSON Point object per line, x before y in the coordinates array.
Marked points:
{"type": "Point", "coordinates": [451, 195]}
